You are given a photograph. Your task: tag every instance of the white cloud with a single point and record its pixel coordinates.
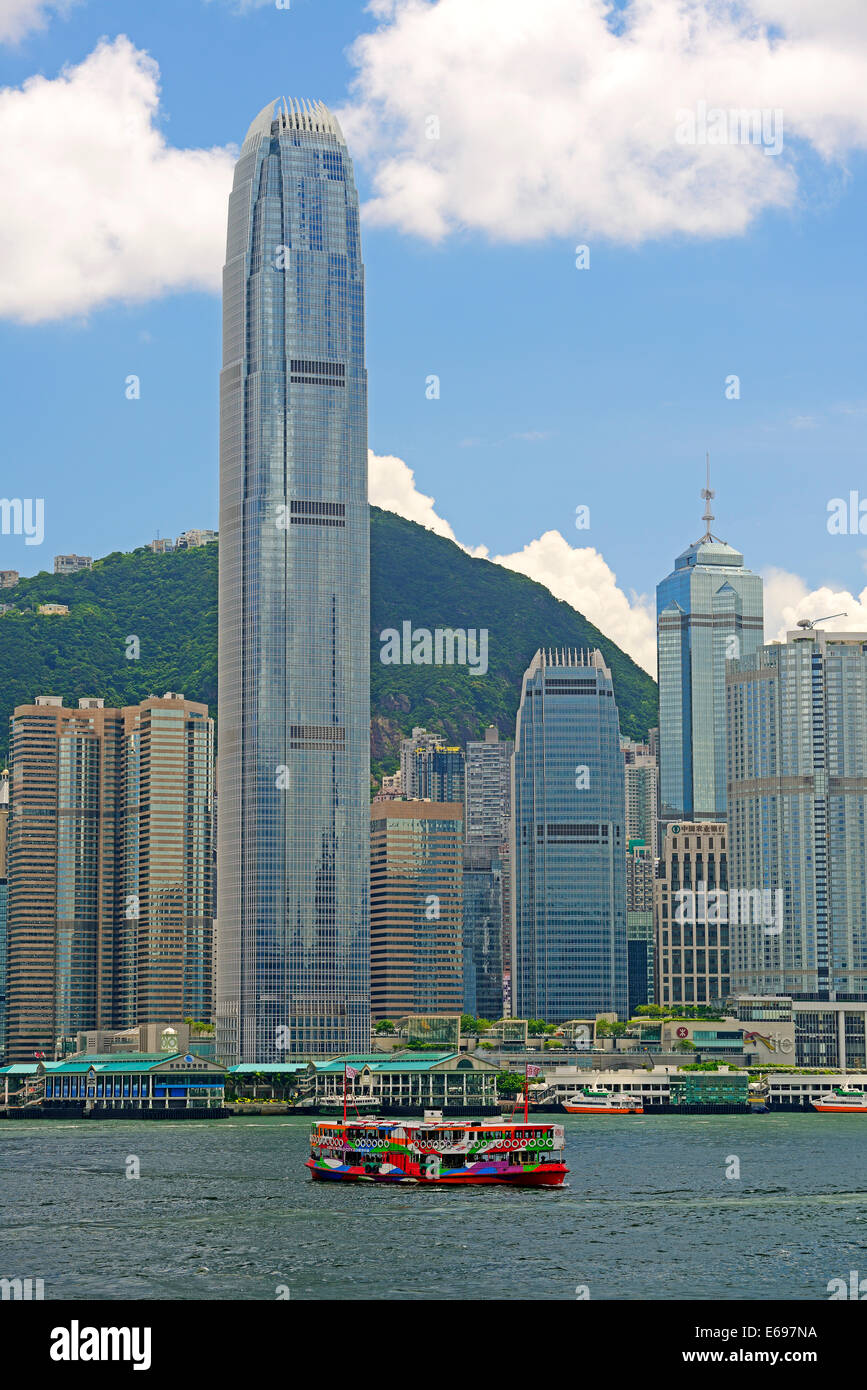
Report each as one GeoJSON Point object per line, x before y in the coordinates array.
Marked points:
{"type": "Point", "coordinates": [20, 17]}
{"type": "Point", "coordinates": [580, 576]}
{"type": "Point", "coordinates": [392, 485]}
{"type": "Point", "coordinates": [787, 599]}
{"type": "Point", "coordinates": [97, 207]}
{"type": "Point", "coordinates": [556, 120]}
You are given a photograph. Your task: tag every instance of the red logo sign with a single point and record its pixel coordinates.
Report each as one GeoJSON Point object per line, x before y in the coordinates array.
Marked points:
{"type": "Point", "coordinates": [683, 1032]}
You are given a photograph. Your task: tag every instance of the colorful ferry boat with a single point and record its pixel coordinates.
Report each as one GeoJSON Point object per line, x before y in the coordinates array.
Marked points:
{"type": "Point", "coordinates": [449, 1153]}
{"type": "Point", "coordinates": [591, 1100]}
{"type": "Point", "coordinates": [843, 1100]}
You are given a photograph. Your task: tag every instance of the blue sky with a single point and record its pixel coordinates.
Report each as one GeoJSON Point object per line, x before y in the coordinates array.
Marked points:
{"type": "Point", "coordinates": [559, 386]}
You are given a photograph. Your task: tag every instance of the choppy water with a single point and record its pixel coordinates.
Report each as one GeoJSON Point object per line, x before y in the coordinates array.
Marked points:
{"type": "Point", "coordinates": [225, 1210]}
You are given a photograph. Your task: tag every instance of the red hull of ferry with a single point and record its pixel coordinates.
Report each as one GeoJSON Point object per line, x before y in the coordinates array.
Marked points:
{"type": "Point", "coordinates": [551, 1176]}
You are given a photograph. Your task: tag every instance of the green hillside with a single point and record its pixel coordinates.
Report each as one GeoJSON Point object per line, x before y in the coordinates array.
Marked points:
{"type": "Point", "coordinates": [169, 602]}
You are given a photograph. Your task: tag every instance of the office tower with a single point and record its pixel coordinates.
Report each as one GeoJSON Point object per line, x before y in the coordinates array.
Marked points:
{"type": "Point", "coordinates": [488, 808]}
{"type": "Point", "coordinates": [416, 884]}
{"type": "Point", "coordinates": [4, 904]}
{"type": "Point", "coordinates": [569, 842]}
{"type": "Point", "coordinates": [8, 579]}
{"type": "Point", "coordinates": [420, 741]}
{"type": "Point", "coordinates": [294, 627]}
{"type": "Point", "coordinates": [63, 845]}
{"type": "Point", "coordinates": [166, 924]}
{"type": "Point", "coordinates": [642, 793]}
{"type": "Point", "coordinates": [640, 936]}
{"type": "Point", "coordinates": [693, 952]}
{"type": "Point", "coordinates": [483, 930]}
{"type": "Point", "coordinates": [797, 737]}
{"type": "Point", "coordinates": [709, 611]}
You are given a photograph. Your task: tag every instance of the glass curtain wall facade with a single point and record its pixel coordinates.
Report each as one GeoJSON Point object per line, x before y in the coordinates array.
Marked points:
{"type": "Point", "coordinates": [293, 768]}
{"type": "Point", "coordinates": [797, 737]}
{"type": "Point", "coordinates": [709, 610]}
{"type": "Point", "coordinates": [569, 843]}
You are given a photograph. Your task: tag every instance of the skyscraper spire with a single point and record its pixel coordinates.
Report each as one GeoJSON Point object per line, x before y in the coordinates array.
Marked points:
{"type": "Point", "coordinates": [708, 494]}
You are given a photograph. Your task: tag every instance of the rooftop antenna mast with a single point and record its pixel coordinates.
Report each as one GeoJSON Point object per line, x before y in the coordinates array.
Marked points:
{"type": "Point", "coordinates": [708, 495]}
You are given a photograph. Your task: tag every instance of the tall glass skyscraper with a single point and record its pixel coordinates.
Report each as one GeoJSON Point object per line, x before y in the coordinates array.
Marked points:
{"type": "Point", "coordinates": [709, 610]}
{"type": "Point", "coordinates": [294, 692]}
{"type": "Point", "coordinates": [568, 842]}
{"type": "Point", "coordinates": [797, 726]}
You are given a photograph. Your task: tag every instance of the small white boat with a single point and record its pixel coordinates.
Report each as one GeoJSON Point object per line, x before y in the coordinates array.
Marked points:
{"type": "Point", "coordinates": [843, 1100]}
{"type": "Point", "coordinates": [592, 1100]}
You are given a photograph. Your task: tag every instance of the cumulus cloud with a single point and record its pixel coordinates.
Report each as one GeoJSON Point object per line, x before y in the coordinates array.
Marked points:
{"type": "Point", "coordinates": [579, 576]}
{"type": "Point", "coordinates": [20, 17]}
{"type": "Point", "coordinates": [787, 598]}
{"type": "Point", "coordinates": [391, 485]}
{"type": "Point", "coordinates": [561, 117]}
{"type": "Point", "coordinates": [582, 578]}
{"type": "Point", "coordinates": [97, 206]}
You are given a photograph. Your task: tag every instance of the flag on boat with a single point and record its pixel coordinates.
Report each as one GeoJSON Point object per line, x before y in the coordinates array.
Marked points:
{"type": "Point", "coordinates": [534, 1071]}
{"type": "Point", "coordinates": [351, 1073]}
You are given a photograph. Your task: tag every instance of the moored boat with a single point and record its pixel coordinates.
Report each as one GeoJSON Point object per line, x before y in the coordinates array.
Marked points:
{"type": "Point", "coordinates": [591, 1100]}
{"type": "Point", "coordinates": [843, 1100]}
{"type": "Point", "coordinates": [448, 1153]}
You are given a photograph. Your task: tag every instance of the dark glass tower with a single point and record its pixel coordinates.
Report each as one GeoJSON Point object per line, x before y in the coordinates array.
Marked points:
{"type": "Point", "coordinates": [569, 948]}
{"type": "Point", "coordinates": [294, 692]}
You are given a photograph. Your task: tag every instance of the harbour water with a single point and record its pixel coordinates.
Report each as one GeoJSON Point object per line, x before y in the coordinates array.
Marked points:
{"type": "Point", "coordinates": [226, 1210]}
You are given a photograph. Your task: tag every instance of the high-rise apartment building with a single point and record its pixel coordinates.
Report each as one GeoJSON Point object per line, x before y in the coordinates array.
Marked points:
{"type": "Point", "coordinates": [63, 846]}
{"type": "Point", "coordinates": [294, 680]}
{"type": "Point", "coordinates": [110, 904]}
{"type": "Point", "coordinates": [709, 611]}
{"type": "Point", "coordinates": [640, 935]}
{"type": "Point", "coordinates": [164, 965]}
{"type": "Point", "coordinates": [568, 842]}
{"type": "Point", "coordinates": [693, 931]}
{"type": "Point", "coordinates": [797, 775]}
{"type": "Point", "coordinates": [421, 741]}
{"type": "Point", "coordinates": [4, 906]}
{"type": "Point", "coordinates": [416, 905]}
{"type": "Point", "coordinates": [489, 787]}
{"type": "Point", "coordinates": [642, 793]}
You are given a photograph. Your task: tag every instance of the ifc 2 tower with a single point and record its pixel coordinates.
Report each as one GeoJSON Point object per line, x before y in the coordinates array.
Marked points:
{"type": "Point", "coordinates": [294, 617]}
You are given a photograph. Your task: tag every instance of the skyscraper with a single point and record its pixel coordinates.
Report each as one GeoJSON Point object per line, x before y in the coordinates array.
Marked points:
{"type": "Point", "coordinates": [709, 610]}
{"type": "Point", "coordinates": [642, 792]}
{"type": "Point", "coordinates": [487, 873]}
{"type": "Point", "coordinates": [110, 901]}
{"type": "Point", "coordinates": [693, 932]}
{"type": "Point", "coordinates": [63, 866]}
{"type": "Point", "coordinates": [4, 903]}
{"type": "Point", "coordinates": [164, 965]}
{"type": "Point", "coordinates": [797, 739]}
{"type": "Point", "coordinates": [294, 693]}
{"type": "Point", "coordinates": [416, 872]}
{"type": "Point", "coordinates": [568, 842]}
